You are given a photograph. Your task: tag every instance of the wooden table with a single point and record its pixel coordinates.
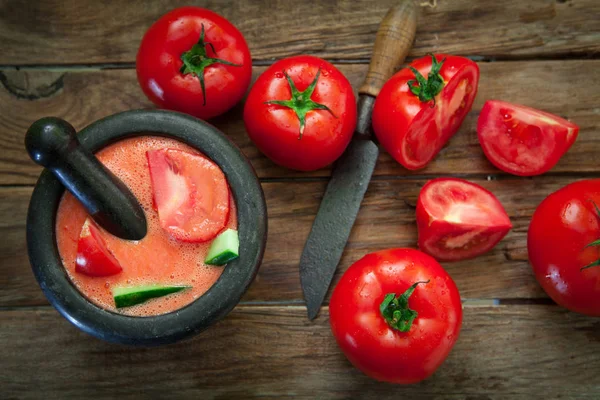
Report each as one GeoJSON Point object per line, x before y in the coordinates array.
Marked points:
{"type": "Point", "coordinates": [75, 59]}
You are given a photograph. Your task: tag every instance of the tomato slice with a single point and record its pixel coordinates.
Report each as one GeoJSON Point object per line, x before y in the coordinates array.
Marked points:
{"type": "Point", "coordinates": [93, 256]}
{"type": "Point", "coordinates": [435, 124]}
{"type": "Point", "coordinates": [521, 140]}
{"type": "Point", "coordinates": [458, 219]}
{"type": "Point", "coordinates": [190, 193]}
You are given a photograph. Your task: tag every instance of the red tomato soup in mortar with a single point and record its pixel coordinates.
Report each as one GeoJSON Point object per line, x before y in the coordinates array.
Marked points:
{"type": "Point", "coordinates": [174, 251]}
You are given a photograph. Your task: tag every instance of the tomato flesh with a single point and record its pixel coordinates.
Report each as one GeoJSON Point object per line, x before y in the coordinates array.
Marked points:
{"type": "Point", "coordinates": [190, 193]}
{"type": "Point", "coordinates": [562, 227]}
{"type": "Point", "coordinates": [412, 131]}
{"type": "Point", "coordinates": [458, 219]}
{"type": "Point", "coordinates": [93, 256]}
{"type": "Point", "coordinates": [362, 333]}
{"type": "Point", "coordinates": [521, 140]}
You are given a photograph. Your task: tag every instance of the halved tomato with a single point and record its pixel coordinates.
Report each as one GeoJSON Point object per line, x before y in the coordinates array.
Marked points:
{"type": "Point", "coordinates": [93, 256]}
{"type": "Point", "coordinates": [521, 140]}
{"type": "Point", "coordinates": [458, 219]}
{"type": "Point", "coordinates": [414, 116]}
{"type": "Point", "coordinates": [190, 193]}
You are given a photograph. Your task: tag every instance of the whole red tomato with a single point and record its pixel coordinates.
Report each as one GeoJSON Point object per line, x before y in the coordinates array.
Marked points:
{"type": "Point", "coordinates": [194, 61]}
{"type": "Point", "coordinates": [415, 116]}
{"type": "Point", "coordinates": [522, 140]}
{"type": "Point", "coordinates": [396, 314]}
{"type": "Point", "coordinates": [301, 113]}
{"type": "Point", "coordinates": [563, 246]}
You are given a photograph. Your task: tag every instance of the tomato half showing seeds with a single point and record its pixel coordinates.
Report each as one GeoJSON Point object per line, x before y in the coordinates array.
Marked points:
{"type": "Point", "coordinates": [190, 193]}
{"type": "Point", "coordinates": [93, 256]}
{"type": "Point", "coordinates": [458, 219]}
{"type": "Point", "coordinates": [194, 61]}
{"type": "Point", "coordinates": [564, 246]}
{"type": "Point", "coordinates": [421, 107]}
{"type": "Point", "coordinates": [396, 315]}
{"type": "Point", "coordinates": [301, 113]}
{"type": "Point", "coordinates": [521, 140]}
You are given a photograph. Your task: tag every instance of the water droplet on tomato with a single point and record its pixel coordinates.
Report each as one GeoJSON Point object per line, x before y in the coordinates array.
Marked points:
{"type": "Point", "coordinates": [279, 75]}
{"type": "Point", "coordinates": [325, 72]}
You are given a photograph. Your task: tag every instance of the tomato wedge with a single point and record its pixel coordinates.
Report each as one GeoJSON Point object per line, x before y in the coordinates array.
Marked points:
{"type": "Point", "coordinates": [521, 140]}
{"type": "Point", "coordinates": [93, 256]}
{"type": "Point", "coordinates": [190, 193]}
{"type": "Point", "coordinates": [458, 219]}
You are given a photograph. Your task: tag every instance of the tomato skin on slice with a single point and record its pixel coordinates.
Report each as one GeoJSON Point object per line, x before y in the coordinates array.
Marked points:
{"type": "Point", "coordinates": [521, 140]}
{"type": "Point", "coordinates": [93, 256]}
{"type": "Point", "coordinates": [191, 194]}
{"type": "Point", "coordinates": [457, 219]}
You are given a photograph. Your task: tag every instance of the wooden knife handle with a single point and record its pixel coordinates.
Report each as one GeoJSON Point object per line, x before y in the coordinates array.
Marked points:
{"type": "Point", "coordinates": [392, 44]}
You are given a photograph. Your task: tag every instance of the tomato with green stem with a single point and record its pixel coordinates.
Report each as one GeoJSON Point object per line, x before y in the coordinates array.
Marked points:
{"type": "Point", "coordinates": [301, 113]}
{"type": "Point", "coordinates": [396, 314]}
{"type": "Point", "coordinates": [563, 243]}
{"type": "Point", "coordinates": [194, 61]}
{"type": "Point", "coordinates": [414, 116]}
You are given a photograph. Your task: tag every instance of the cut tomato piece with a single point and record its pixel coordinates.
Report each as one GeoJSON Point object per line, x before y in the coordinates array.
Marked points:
{"type": "Point", "coordinates": [93, 256]}
{"type": "Point", "coordinates": [190, 193]}
{"type": "Point", "coordinates": [521, 140]}
{"type": "Point", "coordinates": [414, 128]}
{"type": "Point", "coordinates": [458, 219]}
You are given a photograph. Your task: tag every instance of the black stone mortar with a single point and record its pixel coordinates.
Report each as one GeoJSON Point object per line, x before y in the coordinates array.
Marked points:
{"type": "Point", "coordinates": [218, 301]}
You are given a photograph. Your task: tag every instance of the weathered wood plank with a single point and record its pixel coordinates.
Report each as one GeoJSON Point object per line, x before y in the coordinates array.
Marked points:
{"type": "Point", "coordinates": [386, 219]}
{"type": "Point", "coordinates": [74, 32]}
{"type": "Point", "coordinates": [85, 96]}
{"type": "Point", "coordinates": [520, 352]}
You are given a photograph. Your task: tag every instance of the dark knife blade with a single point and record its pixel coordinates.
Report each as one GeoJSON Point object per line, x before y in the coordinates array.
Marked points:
{"type": "Point", "coordinates": [334, 221]}
{"type": "Point", "coordinates": [352, 172]}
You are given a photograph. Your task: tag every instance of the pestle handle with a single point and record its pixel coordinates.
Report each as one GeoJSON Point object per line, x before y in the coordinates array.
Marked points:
{"type": "Point", "coordinates": [52, 143]}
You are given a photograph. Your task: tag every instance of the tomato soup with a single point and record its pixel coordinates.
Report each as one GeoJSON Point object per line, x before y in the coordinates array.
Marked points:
{"type": "Point", "coordinates": [157, 259]}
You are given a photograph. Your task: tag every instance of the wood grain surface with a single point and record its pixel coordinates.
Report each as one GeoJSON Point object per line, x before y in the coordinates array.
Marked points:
{"type": "Point", "coordinates": [82, 97]}
{"type": "Point", "coordinates": [386, 219]}
{"type": "Point", "coordinates": [91, 32]}
{"type": "Point", "coordinates": [517, 352]}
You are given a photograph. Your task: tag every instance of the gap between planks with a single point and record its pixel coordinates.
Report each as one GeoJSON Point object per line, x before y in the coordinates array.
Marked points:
{"type": "Point", "coordinates": [267, 63]}
{"type": "Point", "coordinates": [299, 304]}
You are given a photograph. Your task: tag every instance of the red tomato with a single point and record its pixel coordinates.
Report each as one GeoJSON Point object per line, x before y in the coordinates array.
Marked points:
{"type": "Point", "coordinates": [562, 249]}
{"type": "Point", "coordinates": [190, 193]}
{"type": "Point", "coordinates": [458, 219]}
{"type": "Point", "coordinates": [413, 118]}
{"type": "Point", "coordinates": [194, 61]}
{"type": "Point", "coordinates": [93, 256]}
{"type": "Point", "coordinates": [521, 140]}
{"type": "Point", "coordinates": [301, 113]}
{"type": "Point", "coordinates": [413, 288]}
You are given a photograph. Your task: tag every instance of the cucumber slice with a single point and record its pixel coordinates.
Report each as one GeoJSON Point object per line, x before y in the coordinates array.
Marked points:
{"type": "Point", "coordinates": [224, 248]}
{"type": "Point", "coordinates": [130, 296]}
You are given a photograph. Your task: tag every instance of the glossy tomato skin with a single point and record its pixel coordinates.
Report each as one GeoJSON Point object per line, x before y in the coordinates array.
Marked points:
{"type": "Point", "coordinates": [521, 140]}
{"type": "Point", "coordinates": [275, 129]}
{"type": "Point", "coordinates": [93, 256]}
{"type": "Point", "coordinates": [458, 219]}
{"type": "Point", "coordinates": [365, 337]}
{"type": "Point", "coordinates": [158, 63]}
{"type": "Point", "coordinates": [561, 228]}
{"type": "Point", "coordinates": [413, 132]}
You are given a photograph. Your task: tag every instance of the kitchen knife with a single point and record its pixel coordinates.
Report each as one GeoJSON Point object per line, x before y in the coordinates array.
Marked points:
{"type": "Point", "coordinates": [352, 172]}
